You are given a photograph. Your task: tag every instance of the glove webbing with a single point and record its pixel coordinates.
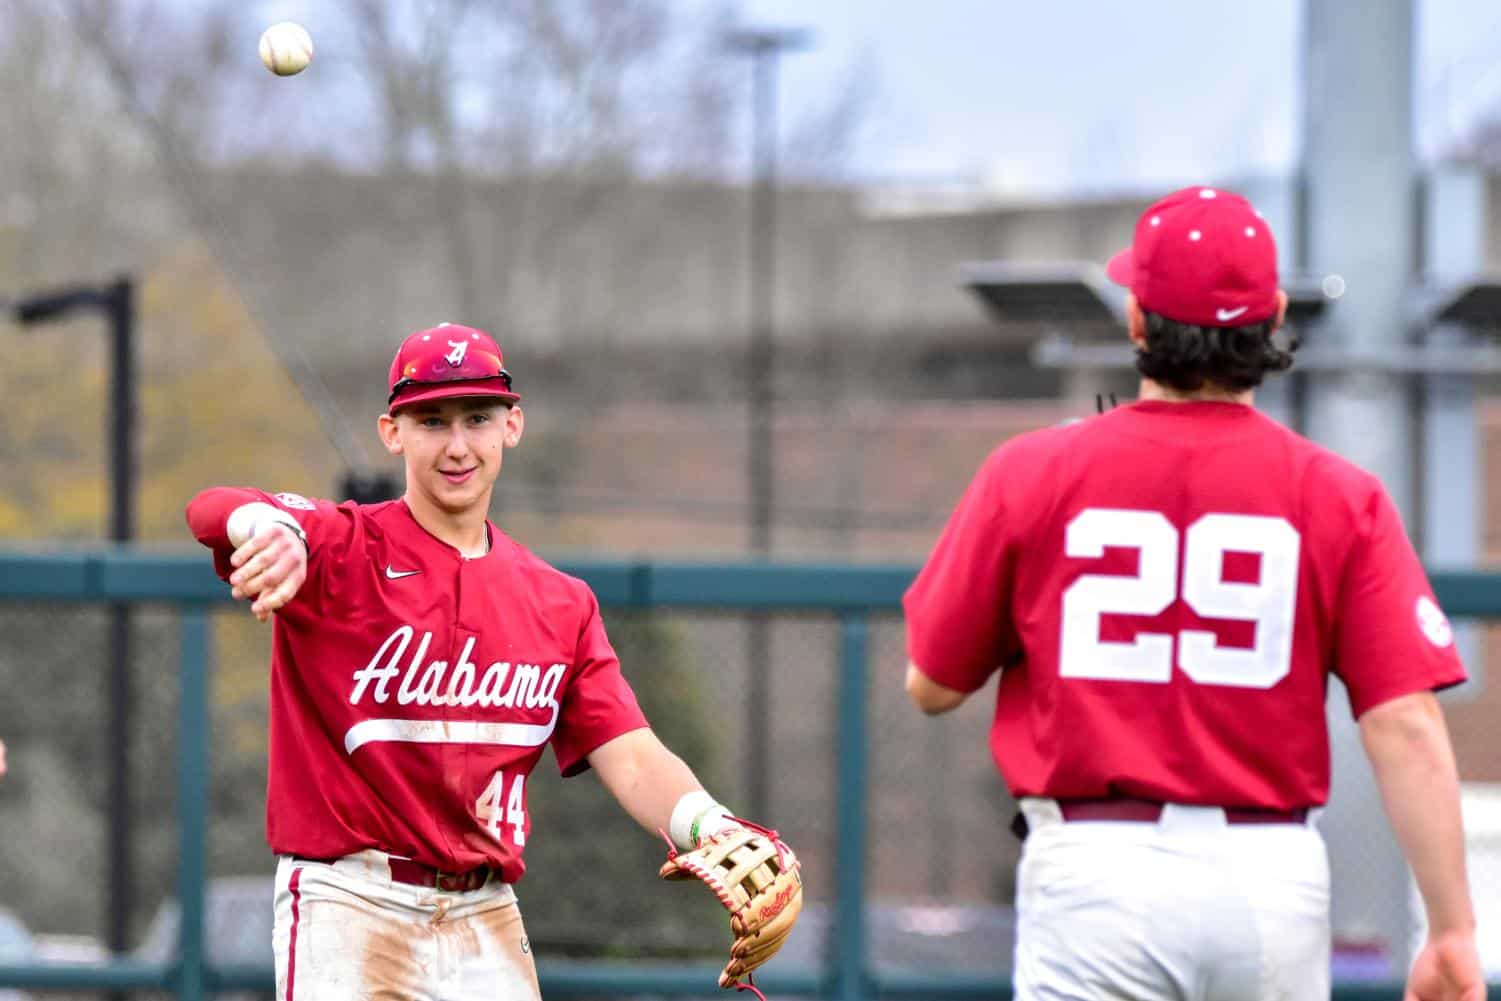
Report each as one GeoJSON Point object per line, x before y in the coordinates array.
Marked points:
{"type": "Point", "coordinates": [733, 876]}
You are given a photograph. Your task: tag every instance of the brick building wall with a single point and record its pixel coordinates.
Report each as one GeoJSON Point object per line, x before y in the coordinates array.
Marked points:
{"type": "Point", "coordinates": [857, 481]}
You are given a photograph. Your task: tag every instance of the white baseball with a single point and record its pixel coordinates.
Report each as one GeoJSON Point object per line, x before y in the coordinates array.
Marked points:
{"type": "Point", "coordinates": [286, 48]}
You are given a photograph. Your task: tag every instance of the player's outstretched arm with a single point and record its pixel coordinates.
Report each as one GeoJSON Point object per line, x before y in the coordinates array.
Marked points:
{"type": "Point", "coordinates": [749, 868]}
{"type": "Point", "coordinates": [1408, 746]}
{"type": "Point", "coordinates": [646, 778]}
{"type": "Point", "coordinates": [2, 759]}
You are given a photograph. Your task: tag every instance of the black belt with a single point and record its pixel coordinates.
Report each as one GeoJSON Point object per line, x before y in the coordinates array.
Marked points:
{"type": "Point", "coordinates": [1128, 809]}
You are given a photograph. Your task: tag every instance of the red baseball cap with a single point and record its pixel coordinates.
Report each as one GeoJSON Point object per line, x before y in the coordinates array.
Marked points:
{"type": "Point", "coordinates": [1202, 256]}
{"type": "Point", "coordinates": [448, 360]}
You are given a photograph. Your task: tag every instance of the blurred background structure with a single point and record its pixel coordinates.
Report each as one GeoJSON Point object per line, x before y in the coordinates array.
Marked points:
{"type": "Point", "coordinates": [733, 340]}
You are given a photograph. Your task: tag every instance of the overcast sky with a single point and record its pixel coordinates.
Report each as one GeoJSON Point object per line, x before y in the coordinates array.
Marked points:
{"type": "Point", "coordinates": [1065, 95]}
{"type": "Point", "coordinates": [1036, 97]}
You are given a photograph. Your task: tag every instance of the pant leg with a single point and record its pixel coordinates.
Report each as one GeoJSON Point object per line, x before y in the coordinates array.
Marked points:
{"type": "Point", "coordinates": [486, 954]}
{"type": "Point", "coordinates": [1087, 919]}
{"type": "Point", "coordinates": [1186, 909]}
{"type": "Point", "coordinates": [338, 938]}
{"type": "Point", "coordinates": [1281, 874]}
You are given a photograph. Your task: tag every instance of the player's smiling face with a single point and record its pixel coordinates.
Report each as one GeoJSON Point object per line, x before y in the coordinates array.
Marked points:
{"type": "Point", "coordinates": [453, 449]}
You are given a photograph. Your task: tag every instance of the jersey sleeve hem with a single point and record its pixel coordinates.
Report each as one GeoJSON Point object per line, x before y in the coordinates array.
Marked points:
{"type": "Point", "coordinates": [577, 761]}
{"type": "Point", "coordinates": [1371, 699]}
{"type": "Point", "coordinates": [960, 680]}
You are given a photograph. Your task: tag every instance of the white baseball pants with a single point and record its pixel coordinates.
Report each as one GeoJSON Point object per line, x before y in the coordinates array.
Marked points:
{"type": "Point", "coordinates": [1187, 908]}
{"type": "Point", "coordinates": [345, 931]}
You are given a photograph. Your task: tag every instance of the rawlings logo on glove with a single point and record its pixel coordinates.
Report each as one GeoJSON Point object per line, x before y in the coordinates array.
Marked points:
{"type": "Point", "coordinates": [757, 878]}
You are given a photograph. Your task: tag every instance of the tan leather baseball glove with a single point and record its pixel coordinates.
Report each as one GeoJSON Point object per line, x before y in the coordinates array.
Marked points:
{"type": "Point", "coordinates": [757, 878]}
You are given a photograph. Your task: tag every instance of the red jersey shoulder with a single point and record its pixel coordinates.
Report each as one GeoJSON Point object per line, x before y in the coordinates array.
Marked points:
{"type": "Point", "coordinates": [1018, 474]}
{"type": "Point", "coordinates": [1331, 479]}
{"type": "Point", "coordinates": [1034, 455]}
{"type": "Point", "coordinates": [317, 511]}
{"type": "Point", "coordinates": [547, 581]}
{"type": "Point", "coordinates": [1044, 448]}
{"type": "Point", "coordinates": [386, 518]}
{"type": "Point", "coordinates": [1335, 501]}
{"type": "Point", "coordinates": [1051, 440]}
{"type": "Point", "coordinates": [339, 531]}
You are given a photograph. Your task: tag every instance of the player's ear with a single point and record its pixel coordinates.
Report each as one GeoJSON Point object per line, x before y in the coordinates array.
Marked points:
{"type": "Point", "coordinates": [515, 422]}
{"type": "Point", "coordinates": [1281, 309]}
{"type": "Point", "coordinates": [1136, 321]}
{"type": "Point", "coordinates": [390, 434]}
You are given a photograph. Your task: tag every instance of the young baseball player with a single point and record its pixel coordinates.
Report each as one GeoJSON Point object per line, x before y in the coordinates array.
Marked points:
{"type": "Point", "coordinates": [1165, 590]}
{"type": "Point", "coordinates": [422, 661]}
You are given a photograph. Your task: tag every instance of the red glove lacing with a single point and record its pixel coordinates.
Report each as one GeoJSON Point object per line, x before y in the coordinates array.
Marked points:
{"type": "Point", "coordinates": [750, 985]}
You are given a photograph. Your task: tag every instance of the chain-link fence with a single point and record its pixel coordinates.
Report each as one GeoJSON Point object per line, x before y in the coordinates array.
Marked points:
{"type": "Point", "coordinates": [938, 857]}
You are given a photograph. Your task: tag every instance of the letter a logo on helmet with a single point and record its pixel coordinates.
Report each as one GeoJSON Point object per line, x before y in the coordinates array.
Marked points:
{"type": "Point", "coordinates": [448, 361]}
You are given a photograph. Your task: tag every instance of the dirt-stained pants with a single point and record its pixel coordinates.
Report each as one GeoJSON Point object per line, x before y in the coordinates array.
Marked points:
{"type": "Point", "coordinates": [345, 931]}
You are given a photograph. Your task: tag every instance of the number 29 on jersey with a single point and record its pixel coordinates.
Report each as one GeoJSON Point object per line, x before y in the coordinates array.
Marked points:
{"type": "Point", "coordinates": [1270, 602]}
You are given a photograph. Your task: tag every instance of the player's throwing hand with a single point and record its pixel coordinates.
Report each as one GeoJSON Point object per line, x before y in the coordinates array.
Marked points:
{"type": "Point", "coordinates": [270, 566]}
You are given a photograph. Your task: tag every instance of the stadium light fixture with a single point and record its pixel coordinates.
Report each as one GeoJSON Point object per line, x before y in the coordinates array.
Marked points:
{"type": "Point", "coordinates": [1062, 292]}
{"type": "Point", "coordinates": [1064, 296]}
{"type": "Point", "coordinates": [1473, 302]}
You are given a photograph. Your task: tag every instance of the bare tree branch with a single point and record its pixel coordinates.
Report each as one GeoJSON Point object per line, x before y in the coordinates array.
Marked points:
{"type": "Point", "coordinates": [178, 111]}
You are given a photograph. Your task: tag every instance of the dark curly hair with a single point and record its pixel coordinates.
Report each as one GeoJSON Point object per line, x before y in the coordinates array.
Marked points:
{"type": "Point", "coordinates": [1185, 356]}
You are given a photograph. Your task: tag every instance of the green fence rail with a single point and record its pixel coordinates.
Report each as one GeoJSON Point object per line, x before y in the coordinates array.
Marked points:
{"type": "Point", "coordinates": [850, 593]}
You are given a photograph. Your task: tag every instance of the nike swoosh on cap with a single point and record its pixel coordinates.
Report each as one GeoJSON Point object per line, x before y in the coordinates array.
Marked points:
{"type": "Point", "coordinates": [1226, 315]}
{"type": "Point", "coordinates": [398, 574]}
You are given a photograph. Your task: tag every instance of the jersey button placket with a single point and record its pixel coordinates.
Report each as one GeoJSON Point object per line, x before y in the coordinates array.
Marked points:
{"type": "Point", "coordinates": [458, 758]}
{"type": "Point", "coordinates": [452, 756]}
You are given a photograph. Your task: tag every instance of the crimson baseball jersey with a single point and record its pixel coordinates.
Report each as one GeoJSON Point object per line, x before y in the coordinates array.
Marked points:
{"type": "Point", "coordinates": [413, 690]}
{"type": "Point", "coordinates": [1165, 589]}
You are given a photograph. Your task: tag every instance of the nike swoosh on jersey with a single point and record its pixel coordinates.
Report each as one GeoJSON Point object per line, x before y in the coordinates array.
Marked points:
{"type": "Point", "coordinates": [1226, 315]}
{"type": "Point", "coordinates": [398, 574]}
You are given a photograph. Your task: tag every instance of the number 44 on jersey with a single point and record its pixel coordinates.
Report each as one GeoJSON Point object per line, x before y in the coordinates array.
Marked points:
{"type": "Point", "coordinates": [489, 809]}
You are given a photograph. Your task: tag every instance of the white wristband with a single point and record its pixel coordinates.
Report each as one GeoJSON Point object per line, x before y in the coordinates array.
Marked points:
{"type": "Point", "coordinates": [248, 519]}
{"type": "Point", "coordinates": [697, 816]}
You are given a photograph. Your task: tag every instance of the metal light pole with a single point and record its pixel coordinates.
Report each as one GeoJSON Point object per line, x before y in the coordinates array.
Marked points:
{"type": "Point", "coordinates": [1360, 172]}
{"type": "Point", "coordinates": [765, 47]}
{"type": "Point", "coordinates": [117, 302]}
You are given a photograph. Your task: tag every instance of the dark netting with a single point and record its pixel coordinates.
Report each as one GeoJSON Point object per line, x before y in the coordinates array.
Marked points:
{"type": "Point", "coordinates": [940, 867]}
{"type": "Point", "coordinates": [55, 666]}
{"type": "Point", "coordinates": [690, 674]}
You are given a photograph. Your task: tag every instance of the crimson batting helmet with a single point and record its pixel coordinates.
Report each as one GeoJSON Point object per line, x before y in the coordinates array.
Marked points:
{"type": "Point", "coordinates": [446, 361]}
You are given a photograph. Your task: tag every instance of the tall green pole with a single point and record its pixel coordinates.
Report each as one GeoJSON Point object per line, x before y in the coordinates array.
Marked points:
{"type": "Point", "coordinates": [192, 800]}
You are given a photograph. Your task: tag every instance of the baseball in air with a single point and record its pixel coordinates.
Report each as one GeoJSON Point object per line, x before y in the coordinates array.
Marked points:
{"type": "Point", "coordinates": [286, 48]}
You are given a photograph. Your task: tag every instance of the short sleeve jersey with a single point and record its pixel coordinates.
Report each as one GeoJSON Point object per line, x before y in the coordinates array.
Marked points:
{"type": "Point", "coordinates": [414, 690]}
{"type": "Point", "coordinates": [1165, 589]}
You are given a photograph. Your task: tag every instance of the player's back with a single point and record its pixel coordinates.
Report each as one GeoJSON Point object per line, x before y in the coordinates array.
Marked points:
{"type": "Point", "coordinates": [1178, 581]}
{"type": "Point", "coordinates": [1165, 590]}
